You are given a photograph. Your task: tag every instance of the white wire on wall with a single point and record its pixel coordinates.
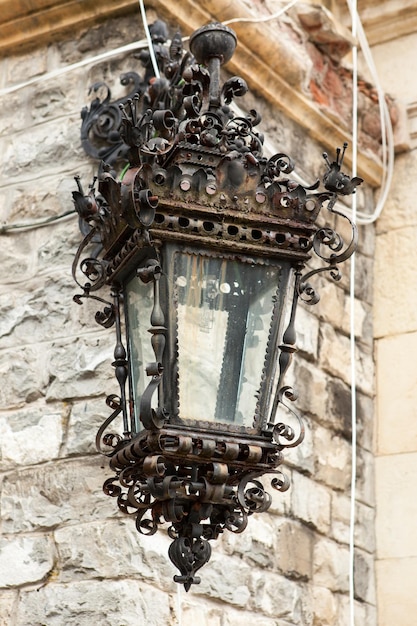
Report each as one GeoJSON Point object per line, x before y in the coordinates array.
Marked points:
{"type": "Point", "coordinates": [352, 330]}
{"type": "Point", "coordinates": [149, 39]}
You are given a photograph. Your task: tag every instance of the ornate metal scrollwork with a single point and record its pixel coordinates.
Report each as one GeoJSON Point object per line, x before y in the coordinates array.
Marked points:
{"type": "Point", "coordinates": [195, 175]}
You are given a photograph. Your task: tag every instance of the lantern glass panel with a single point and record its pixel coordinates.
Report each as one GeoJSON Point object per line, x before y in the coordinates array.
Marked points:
{"type": "Point", "coordinates": [224, 315]}
{"type": "Point", "coordinates": [139, 300]}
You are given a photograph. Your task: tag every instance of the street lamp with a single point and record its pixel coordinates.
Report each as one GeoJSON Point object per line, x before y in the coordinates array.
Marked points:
{"type": "Point", "coordinates": [203, 243]}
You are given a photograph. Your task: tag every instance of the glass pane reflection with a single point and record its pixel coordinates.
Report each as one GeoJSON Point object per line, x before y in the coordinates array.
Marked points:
{"type": "Point", "coordinates": [223, 316]}
{"type": "Point", "coordinates": [139, 304]}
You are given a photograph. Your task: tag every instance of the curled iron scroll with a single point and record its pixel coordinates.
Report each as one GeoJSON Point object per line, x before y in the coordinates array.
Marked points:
{"type": "Point", "coordinates": [331, 240]}
{"type": "Point", "coordinates": [109, 439]}
{"type": "Point", "coordinates": [284, 434]}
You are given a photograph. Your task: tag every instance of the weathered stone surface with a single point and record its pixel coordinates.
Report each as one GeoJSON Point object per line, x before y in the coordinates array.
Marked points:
{"type": "Point", "coordinates": [36, 315]}
{"type": "Point", "coordinates": [365, 421]}
{"type": "Point", "coordinates": [25, 559]}
{"type": "Point", "coordinates": [256, 544]}
{"type": "Point", "coordinates": [365, 477]}
{"type": "Point", "coordinates": [364, 577]}
{"type": "Point", "coordinates": [24, 66]}
{"type": "Point", "coordinates": [310, 502]}
{"type": "Point", "coordinates": [45, 144]}
{"type": "Point", "coordinates": [216, 581]}
{"type": "Point", "coordinates": [26, 380]}
{"type": "Point", "coordinates": [85, 419]}
{"type": "Point", "coordinates": [276, 596]}
{"type": "Point", "coordinates": [81, 367]}
{"type": "Point", "coordinates": [111, 549]}
{"type": "Point", "coordinates": [108, 603]}
{"type": "Point", "coordinates": [45, 496]}
{"type": "Point", "coordinates": [333, 459]}
{"type": "Point", "coordinates": [324, 607]}
{"type": "Point", "coordinates": [335, 308]}
{"type": "Point", "coordinates": [30, 436]}
{"type": "Point", "coordinates": [311, 385]}
{"type": "Point", "coordinates": [294, 549]}
{"type": "Point", "coordinates": [8, 604]}
{"type": "Point", "coordinates": [307, 327]}
{"type": "Point", "coordinates": [331, 565]}
{"type": "Point", "coordinates": [335, 359]}
{"type": "Point", "coordinates": [364, 522]}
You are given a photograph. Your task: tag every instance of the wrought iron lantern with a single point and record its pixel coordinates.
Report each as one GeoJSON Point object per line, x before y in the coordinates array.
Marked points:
{"type": "Point", "coordinates": [202, 242]}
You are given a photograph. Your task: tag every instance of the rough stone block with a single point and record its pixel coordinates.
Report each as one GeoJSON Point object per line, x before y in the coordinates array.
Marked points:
{"type": "Point", "coordinates": [55, 493]}
{"type": "Point", "coordinates": [365, 527]}
{"type": "Point", "coordinates": [364, 522]}
{"type": "Point", "coordinates": [13, 113]}
{"type": "Point", "coordinates": [81, 367]}
{"type": "Point", "coordinates": [30, 436]}
{"type": "Point", "coordinates": [294, 550]}
{"type": "Point", "coordinates": [111, 549]}
{"type": "Point", "coordinates": [335, 359]}
{"type": "Point", "coordinates": [26, 380]}
{"type": "Point", "coordinates": [85, 419]}
{"type": "Point", "coordinates": [276, 596]}
{"type": "Point", "coordinates": [365, 484]}
{"type": "Point", "coordinates": [311, 502]}
{"type": "Point", "coordinates": [256, 544]}
{"type": "Point", "coordinates": [340, 517]}
{"type": "Point", "coordinates": [324, 607]}
{"type": "Point", "coordinates": [333, 459]}
{"type": "Point", "coordinates": [228, 584]}
{"type": "Point", "coordinates": [331, 565]}
{"type": "Point", "coordinates": [25, 559]}
{"type": "Point", "coordinates": [307, 327]}
{"type": "Point", "coordinates": [46, 144]}
{"type": "Point", "coordinates": [310, 384]}
{"type": "Point", "coordinates": [232, 618]}
{"type": "Point", "coordinates": [18, 256]}
{"type": "Point", "coordinates": [365, 421]}
{"type": "Point", "coordinates": [8, 603]}
{"type": "Point", "coordinates": [21, 67]}
{"type": "Point", "coordinates": [192, 614]}
{"type": "Point", "coordinates": [38, 313]}
{"type": "Point", "coordinates": [108, 603]}
{"type": "Point", "coordinates": [338, 408]}
{"type": "Point", "coordinates": [364, 577]}
{"type": "Point", "coordinates": [335, 308]}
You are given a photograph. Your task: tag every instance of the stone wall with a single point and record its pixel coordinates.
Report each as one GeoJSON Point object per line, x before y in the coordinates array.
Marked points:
{"type": "Point", "coordinates": [67, 555]}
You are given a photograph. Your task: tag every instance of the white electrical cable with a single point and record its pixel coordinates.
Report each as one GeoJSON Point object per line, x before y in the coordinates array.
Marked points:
{"type": "Point", "coordinates": [149, 39]}
{"type": "Point", "coordinates": [268, 18]}
{"type": "Point", "coordinates": [135, 45]}
{"type": "Point", "coordinates": [386, 127]}
{"type": "Point", "coordinates": [352, 519]}
{"type": "Point", "coordinates": [387, 135]}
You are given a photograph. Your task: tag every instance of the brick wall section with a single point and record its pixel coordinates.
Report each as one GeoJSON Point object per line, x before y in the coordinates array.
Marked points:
{"type": "Point", "coordinates": [67, 555]}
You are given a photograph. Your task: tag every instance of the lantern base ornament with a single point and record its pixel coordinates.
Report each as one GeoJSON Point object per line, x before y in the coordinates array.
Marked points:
{"type": "Point", "coordinates": [200, 483]}
{"type": "Point", "coordinates": [203, 243]}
